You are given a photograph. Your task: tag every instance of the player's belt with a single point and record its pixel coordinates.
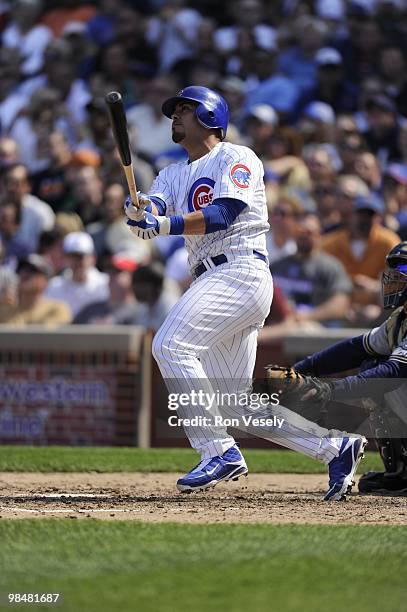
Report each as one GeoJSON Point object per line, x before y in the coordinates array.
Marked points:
{"type": "Point", "coordinates": [218, 260]}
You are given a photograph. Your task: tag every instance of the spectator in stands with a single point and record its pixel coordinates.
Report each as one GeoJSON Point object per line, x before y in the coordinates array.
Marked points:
{"type": "Point", "coordinates": [51, 184]}
{"type": "Point", "coordinates": [232, 89]}
{"type": "Point", "coordinates": [87, 193]}
{"type": "Point", "coordinates": [13, 245]}
{"type": "Point", "coordinates": [9, 154]}
{"type": "Point", "coordinates": [99, 138]}
{"type": "Point", "coordinates": [324, 194]}
{"type": "Point", "coordinates": [272, 85]}
{"type": "Point", "coordinates": [81, 283]}
{"type": "Point", "coordinates": [201, 71]}
{"type": "Point", "coordinates": [284, 218]}
{"type": "Point", "coordinates": [206, 49]}
{"type": "Point", "coordinates": [51, 247]}
{"type": "Point", "coordinates": [315, 283]}
{"type": "Point", "coordinates": [395, 195]}
{"type": "Point", "coordinates": [114, 63]}
{"type": "Point", "coordinates": [283, 159]}
{"type": "Point", "coordinates": [260, 124]}
{"type": "Point", "coordinates": [361, 50]}
{"type": "Point", "coordinates": [83, 50]}
{"type": "Point", "coordinates": [35, 215]}
{"type": "Point", "coordinates": [111, 234]}
{"type": "Point", "coordinates": [349, 187]}
{"type": "Point", "coordinates": [368, 168]}
{"type": "Point", "coordinates": [111, 170]}
{"type": "Point", "coordinates": [8, 283]}
{"type": "Point", "coordinates": [60, 75]}
{"type": "Point", "coordinates": [32, 307]}
{"type": "Point", "coordinates": [98, 124]}
{"type": "Point", "coordinates": [383, 126]}
{"type": "Point", "coordinates": [317, 123]}
{"type": "Point", "coordinates": [12, 99]}
{"type": "Point", "coordinates": [23, 32]}
{"type": "Point", "coordinates": [132, 32]}
{"type": "Point", "coordinates": [174, 32]}
{"type": "Point", "coordinates": [402, 142]}
{"type": "Point", "coordinates": [154, 296]}
{"type": "Point", "coordinates": [67, 11]}
{"type": "Point", "coordinates": [361, 246]}
{"type": "Point", "coordinates": [349, 147]}
{"type": "Point", "coordinates": [101, 28]}
{"type": "Point", "coordinates": [44, 115]}
{"type": "Point", "coordinates": [148, 126]}
{"type": "Point", "coordinates": [349, 142]}
{"type": "Point", "coordinates": [320, 163]}
{"type": "Point", "coordinates": [246, 17]}
{"type": "Point", "coordinates": [297, 62]}
{"type": "Point", "coordinates": [121, 306]}
{"type": "Point", "coordinates": [331, 86]}
{"type": "Point", "coordinates": [393, 66]}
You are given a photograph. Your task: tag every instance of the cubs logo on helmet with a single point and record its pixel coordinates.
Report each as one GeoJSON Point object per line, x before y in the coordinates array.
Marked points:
{"type": "Point", "coordinates": [200, 194]}
{"type": "Point", "coordinates": [240, 175]}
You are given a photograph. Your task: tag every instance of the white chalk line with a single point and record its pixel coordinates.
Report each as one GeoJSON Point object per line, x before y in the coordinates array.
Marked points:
{"type": "Point", "coordinates": [60, 495]}
{"type": "Point", "coordinates": [66, 510]}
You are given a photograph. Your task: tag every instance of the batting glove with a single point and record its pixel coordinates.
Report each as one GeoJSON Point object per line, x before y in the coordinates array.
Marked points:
{"type": "Point", "coordinates": [150, 226]}
{"type": "Point", "coordinates": [134, 213]}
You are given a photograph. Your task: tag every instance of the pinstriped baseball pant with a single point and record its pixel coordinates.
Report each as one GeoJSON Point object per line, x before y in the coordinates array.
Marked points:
{"type": "Point", "coordinates": [208, 342]}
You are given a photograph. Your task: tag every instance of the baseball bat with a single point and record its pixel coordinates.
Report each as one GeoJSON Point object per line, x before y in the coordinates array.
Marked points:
{"type": "Point", "coordinates": [118, 122]}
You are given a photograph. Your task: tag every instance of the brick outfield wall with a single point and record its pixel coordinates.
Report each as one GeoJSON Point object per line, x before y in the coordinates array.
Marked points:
{"type": "Point", "coordinates": [99, 386]}
{"type": "Point", "coordinates": [87, 396]}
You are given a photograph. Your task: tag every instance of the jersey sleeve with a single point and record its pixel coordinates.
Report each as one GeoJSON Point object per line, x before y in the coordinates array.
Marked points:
{"type": "Point", "coordinates": [161, 189]}
{"type": "Point", "coordinates": [376, 341]}
{"type": "Point", "coordinates": [400, 353]}
{"type": "Point", "coordinates": [238, 177]}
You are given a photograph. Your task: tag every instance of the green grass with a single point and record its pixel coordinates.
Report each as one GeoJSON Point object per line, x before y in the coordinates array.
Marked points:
{"type": "Point", "coordinates": [122, 566]}
{"type": "Point", "coordinates": [67, 459]}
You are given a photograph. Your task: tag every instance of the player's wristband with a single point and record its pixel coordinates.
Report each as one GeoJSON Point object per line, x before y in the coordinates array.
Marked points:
{"type": "Point", "coordinates": [177, 225]}
{"type": "Point", "coordinates": [171, 225]}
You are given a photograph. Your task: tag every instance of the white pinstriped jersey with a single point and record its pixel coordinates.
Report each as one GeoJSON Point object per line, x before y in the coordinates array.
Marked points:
{"type": "Point", "coordinates": [227, 171]}
{"type": "Point", "coordinates": [390, 338]}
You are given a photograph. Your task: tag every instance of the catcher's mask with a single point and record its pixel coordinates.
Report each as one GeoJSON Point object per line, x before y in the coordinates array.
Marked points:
{"type": "Point", "coordinates": [394, 279]}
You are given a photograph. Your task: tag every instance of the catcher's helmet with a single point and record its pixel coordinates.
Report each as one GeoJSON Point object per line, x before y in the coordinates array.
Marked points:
{"type": "Point", "coordinates": [212, 111]}
{"type": "Point", "coordinates": [394, 280]}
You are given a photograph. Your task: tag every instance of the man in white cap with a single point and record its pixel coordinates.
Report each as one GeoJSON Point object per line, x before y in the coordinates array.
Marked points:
{"type": "Point", "coordinates": [332, 86]}
{"type": "Point", "coordinates": [81, 283]}
{"type": "Point", "coordinates": [260, 124]}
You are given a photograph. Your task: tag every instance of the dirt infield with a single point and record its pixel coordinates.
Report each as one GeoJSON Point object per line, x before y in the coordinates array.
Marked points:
{"type": "Point", "coordinates": [259, 498]}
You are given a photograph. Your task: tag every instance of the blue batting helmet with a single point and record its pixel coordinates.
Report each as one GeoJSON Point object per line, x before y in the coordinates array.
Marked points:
{"type": "Point", "coordinates": [212, 111]}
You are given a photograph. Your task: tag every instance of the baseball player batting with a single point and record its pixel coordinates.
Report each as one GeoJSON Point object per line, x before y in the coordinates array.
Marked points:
{"type": "Point", "coordinates": [216, 200]}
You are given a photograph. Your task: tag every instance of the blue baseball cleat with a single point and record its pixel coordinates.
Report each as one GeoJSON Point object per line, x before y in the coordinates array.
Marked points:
{"type": "Point", "coordinates": [343, 468]}
{"type": "Point", "coordinates": [230, 466]}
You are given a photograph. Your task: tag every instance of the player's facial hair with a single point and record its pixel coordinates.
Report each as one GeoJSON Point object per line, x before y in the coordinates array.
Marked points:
{"type": "Point", "coordinates": [178, 137]}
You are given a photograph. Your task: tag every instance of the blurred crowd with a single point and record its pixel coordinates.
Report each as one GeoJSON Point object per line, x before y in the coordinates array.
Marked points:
{"type": "Point", "coordinates": [317, 88]}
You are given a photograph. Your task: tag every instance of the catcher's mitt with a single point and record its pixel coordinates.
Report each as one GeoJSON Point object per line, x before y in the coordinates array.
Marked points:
{"type": "Point", "coordinates": [291, 385]}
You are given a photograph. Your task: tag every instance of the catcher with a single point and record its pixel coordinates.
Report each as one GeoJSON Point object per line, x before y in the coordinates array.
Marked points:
{"type": "Point", "coordinates": [381, 355]}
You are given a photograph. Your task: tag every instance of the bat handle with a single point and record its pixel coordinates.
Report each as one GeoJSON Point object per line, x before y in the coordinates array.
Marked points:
{"type": "Point", "coordinates": [131, 182]}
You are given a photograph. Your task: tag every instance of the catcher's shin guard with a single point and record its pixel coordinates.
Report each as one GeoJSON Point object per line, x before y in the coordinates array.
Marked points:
{"type": "Point", "coordinates": [386, 426]}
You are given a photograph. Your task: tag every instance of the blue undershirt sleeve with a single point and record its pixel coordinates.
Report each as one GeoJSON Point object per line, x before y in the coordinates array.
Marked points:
{"type": "Point", "coordinates": [221, 214]}
{"type": "Point", "coordinates": [343, 355]}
